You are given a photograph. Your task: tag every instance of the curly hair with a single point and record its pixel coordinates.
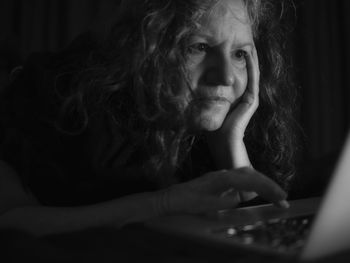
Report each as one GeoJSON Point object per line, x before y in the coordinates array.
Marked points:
{"type": "Point", "coordinates": [272, 136]}
{"type": "Point", "coordinates": [135, 72]}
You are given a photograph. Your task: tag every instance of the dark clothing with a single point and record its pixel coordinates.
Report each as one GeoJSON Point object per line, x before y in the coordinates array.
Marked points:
{"type": "Point", "coordinates": [101, 163]}
{"type": "Point", "coordinates": [61, 168]}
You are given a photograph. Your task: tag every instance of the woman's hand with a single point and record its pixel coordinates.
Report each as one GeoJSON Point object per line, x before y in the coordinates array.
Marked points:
{"type": "Point", "coordinates": [226, 143]}
{"type": "Point", "coordinates": [205, 194]}
{"type": "Point", "coordinates": [237, 120]}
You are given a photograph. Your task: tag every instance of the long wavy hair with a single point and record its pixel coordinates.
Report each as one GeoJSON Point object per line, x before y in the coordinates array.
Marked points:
{"type": "Point", "coordinates": [135, 72]}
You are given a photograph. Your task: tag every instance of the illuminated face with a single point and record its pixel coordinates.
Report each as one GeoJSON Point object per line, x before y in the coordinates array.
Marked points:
{"type": "Point", "coordinates": [217, 64]}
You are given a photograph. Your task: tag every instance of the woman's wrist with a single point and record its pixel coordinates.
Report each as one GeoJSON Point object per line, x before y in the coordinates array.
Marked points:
{"type": "Point", "coordinates": [238, 154]}
{"type": "Point", "coordinates": [231, 155]}
{"type": "Point", "coordinates": [161, 202]}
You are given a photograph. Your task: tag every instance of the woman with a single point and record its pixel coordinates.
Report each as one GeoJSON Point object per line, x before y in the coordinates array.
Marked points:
{"type": "Point", "coordinates": [153, 117]}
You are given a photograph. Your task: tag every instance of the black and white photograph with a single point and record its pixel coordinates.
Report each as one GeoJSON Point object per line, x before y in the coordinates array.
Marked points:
{"type": "Point", "coordinates": [180, 131]}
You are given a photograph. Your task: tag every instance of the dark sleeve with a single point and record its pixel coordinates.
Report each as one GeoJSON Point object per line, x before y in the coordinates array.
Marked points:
{"type": "Point", "coordinates": [59, 169]}
{"type": "Point", "coordinates": [29, 141]}
{"type": "Point", "coordinates": [117, 158]}
{"type": "Point", "coordinates": [25, 108]}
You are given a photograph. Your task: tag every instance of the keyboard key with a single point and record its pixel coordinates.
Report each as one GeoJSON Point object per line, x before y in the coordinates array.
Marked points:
{"type": "Point", "coordinates": [282, 234]}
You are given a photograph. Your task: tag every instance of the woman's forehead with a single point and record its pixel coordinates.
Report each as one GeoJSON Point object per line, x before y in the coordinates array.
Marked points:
{"type": "Point", "coordinates": [225, 16]}
{"type": "Point", "coordinates": [224, 10]}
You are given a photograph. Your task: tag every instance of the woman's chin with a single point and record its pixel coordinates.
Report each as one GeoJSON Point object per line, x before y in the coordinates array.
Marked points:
{"type": "Point", "coordinates": [209, 122]}
{"type": "Point", "coordinates": [210, 126]}
{"type": "Point", "coordinates": [210, 117]}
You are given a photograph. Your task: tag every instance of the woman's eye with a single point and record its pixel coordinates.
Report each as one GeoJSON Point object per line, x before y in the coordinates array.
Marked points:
{"type": "Point", "coordinates": [198, 48]}
{"type": "Point", "coordinates": [240, 54]}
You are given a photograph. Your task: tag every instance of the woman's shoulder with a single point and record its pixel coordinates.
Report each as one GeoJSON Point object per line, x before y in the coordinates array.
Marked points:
{"type": "Point", "coordinates": [104, 159]}
{"type": "Point", "coordinates": [36, 91]}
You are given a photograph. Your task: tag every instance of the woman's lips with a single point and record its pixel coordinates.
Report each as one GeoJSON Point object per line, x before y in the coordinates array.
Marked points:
{"type": "Point", "coordinates": [217, 99]}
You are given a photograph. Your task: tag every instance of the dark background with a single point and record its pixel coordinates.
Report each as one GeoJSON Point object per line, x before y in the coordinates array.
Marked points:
{"type": "Point", "coordinates": [320, 56]}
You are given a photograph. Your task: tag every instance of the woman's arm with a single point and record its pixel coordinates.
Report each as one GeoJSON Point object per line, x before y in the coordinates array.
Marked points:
{"type": "Point", "coordinates": [20, 210]}
{"type": "Point", "coordinates": [227, 144]}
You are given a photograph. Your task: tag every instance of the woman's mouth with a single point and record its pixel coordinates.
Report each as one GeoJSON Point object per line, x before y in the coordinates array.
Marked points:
{"type": "Point", "coordinates": [213, 99]}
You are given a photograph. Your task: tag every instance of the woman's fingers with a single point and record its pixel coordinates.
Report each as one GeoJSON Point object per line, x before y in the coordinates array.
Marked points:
{"type": "Point", "coordinates": [243, 180]}
{"type": "Point", "coordinates": [250, 99]}
{"type": "Point", "coordinates": [198, 196]}
{"type": "Point", "coordinates": [222, 190]}
{"type": "Point", "coordinates": [248, 179]}
{"type": "Point", "coordinates": [251, 95]}
{"type": "Point", "coordinates": [241, 114]}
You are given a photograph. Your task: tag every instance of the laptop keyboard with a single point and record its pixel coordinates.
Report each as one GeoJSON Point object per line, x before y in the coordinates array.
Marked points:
{"type": "Point", "coordinates": [286, 234]}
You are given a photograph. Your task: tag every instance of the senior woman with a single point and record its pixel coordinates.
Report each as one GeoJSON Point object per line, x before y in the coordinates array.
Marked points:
{"type": "Point", "coordinates": [156, 115]}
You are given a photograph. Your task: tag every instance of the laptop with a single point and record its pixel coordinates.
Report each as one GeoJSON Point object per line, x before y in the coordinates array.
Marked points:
{"type": "Point", "coordinates": [310, 229]}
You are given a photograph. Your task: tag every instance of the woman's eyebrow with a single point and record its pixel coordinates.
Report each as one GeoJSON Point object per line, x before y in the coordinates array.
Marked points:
{"type": "Point", "coordinates": [212, 39]}
{"type": "Point", "coordinates": [211, 36]}
{"type": "Point", "coordinates": [203, 35]}
{"type": "Point", "coordinates": [244, 44]}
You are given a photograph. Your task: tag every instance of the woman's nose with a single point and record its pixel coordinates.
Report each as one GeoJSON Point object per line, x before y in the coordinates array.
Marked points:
{"type": "Point", "coordinates": [220, 71]}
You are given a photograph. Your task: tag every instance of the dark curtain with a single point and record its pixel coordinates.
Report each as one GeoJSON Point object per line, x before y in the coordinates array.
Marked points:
{"type": "Point", "coordinates": [38, 25]}
{"type": "Point", "coordinates": [320, 56]}
{"type": "Point", "coordinates": [28, 26]}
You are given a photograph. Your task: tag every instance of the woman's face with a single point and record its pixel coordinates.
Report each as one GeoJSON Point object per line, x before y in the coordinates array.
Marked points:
{"type": "Point", "coordinates": [216, 64]}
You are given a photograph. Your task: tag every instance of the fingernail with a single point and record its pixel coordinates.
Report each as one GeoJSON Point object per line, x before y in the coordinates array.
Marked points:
{"type": "Point", "coordinates": [283, 204]}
